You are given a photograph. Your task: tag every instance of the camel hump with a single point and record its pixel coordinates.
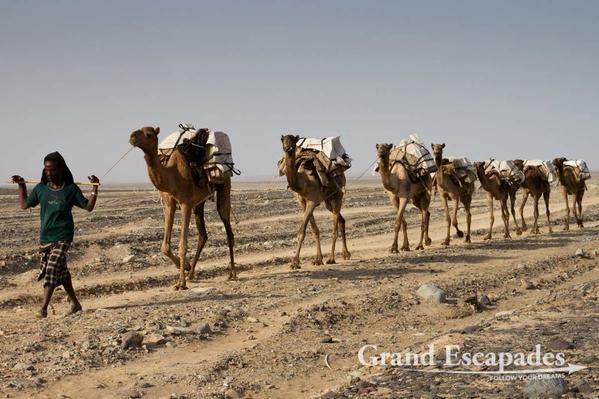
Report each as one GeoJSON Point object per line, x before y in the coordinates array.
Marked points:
{"type": "Point", "coordinates": [580, 167]}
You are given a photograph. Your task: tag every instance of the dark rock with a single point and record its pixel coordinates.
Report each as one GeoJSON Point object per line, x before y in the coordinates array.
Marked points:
{"type": "Point", "coordinates": [432, 293]}
{"type": "Point", "coordinates": [131, 339]}
{"type": "Point", "coordinates": [558, 344]}
{"type": "Point", "coordinates": [552, 388]}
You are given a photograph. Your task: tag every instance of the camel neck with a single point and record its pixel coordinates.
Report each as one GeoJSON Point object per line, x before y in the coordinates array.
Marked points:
{"type": "Point", "coordinates": [157, 172]}
{"type": "Point", "coordinates": [439, 174]}
{"type": "Point", "coordinates": [560, 174]}
{"type": "Point", "coordinates": [385, 173]}
{"type": "Point", "coordinates": [290, 171]}
{"type": "Point", "coordinates": [482, 177]}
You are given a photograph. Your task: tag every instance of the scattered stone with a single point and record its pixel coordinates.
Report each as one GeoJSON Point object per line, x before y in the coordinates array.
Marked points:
{"type": "Point", "coordinates": [540, 388]}
{"type": "Point", "coordinates": [470, 329]}
{"type": "Point", "coordinates": [171, 344]}
{"type": "Point", "coordinates": [202, 291]}
{"type": "Point", "coordinates": [129, 258]}
{"type": "Point", "coordinates": [432, 292]}
{"type": "Point", "coordinates": [527, 285]}
{"type": "Point", "coordinates": [38, 381]}
{"type": "Point", "coordinates": [559, 344]}
{"type": "Point", "coordinates": [154, 340]}
{"type": "Point", "coordinates": [66, 355]}
{"type": "Point", "coordinates": [584, 387]}
{"type": "Point", "coordinates": [23, 367]}
{"type": "Point", "coordinates": [131, 339]}
{"type": "Point", "coordinates": [145, 385]}
{"type": "Point", "coordinates": [326, 340]}
{"type": "Point", "coordinates": [252, 319]}
{"type": "Point", "coordinates": [204, 328]}
{"type": "Point", "coordinates": [135, 394]}
{"type": "Point", "coordinates": [580, 253]}
{"type": "Point", "coordinates": [504, 313]}
{"type": "Point", "coordinates": [485, 301]}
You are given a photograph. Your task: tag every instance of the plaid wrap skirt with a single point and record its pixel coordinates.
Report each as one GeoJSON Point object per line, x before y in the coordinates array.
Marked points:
{"type": "Point", "coordinates": [53, 264]}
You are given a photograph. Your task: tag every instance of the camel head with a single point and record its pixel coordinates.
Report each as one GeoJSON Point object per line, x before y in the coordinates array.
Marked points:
{"type": "Point", "coordinates": [559, 162]}
{"type": "Point", "coordinates": [438, 149]}
{"type": "Point", "coordinates": [289, 142]}
{"type": "Point", "coordinates": [519, 164]}
{"type": "Point", "coordinates": [383, 150]}
{"type": "Point", "coordinates": [480, 166]}
{"type": "Point", "coordinates": [145, 138]}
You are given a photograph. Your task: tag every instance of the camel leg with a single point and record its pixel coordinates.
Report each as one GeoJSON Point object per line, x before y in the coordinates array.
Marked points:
{"type": "Point", "coordinates": [399, 222]}
{"type": "Point", "coordinates": [575, 208]}
{"type": "Point", "coordinates": [467, 203]}
{"type": "Point", "coordinates": [394, 248]}
{"type": "Point", "coordinates": [308, 212]}
{"type": "Point", "coordinates": [456, 206]}
{"type": "Point", "coordinates": [346, 253]}
{"type": "Point", "coordinates": [403, 202]}
{"type": "Point", "coordinates": [185, 219]}
{"type": "Point", "coordinates": [579, 196]}
{"type": "Point", "coordinates": [535, 227]}
{"type": "Point", "coordinates": [513, 210]}
{"type": "Point", "coordinates": [505, 213]}
{"type": "Point", "coordinates": [331, 259]}
{"type": "Point", "coordinates": [223, 206]}
{"type": "Point", "coordinates": [448, 220]}
{"type": "Point", "coordinates": [318, 260]}
{"type": "Point", "coordinates": [546, 199]}
{"type": "Point", "coordinates": [198, 213]}
{"type": "Point", "coordinates": [491, 216]}
{"type": "Point", "coordinates": [524, 199]}
{"type": "Point", "coordinates": [565, 195]}
{"type": "Point", "coordinates": [422, 228]}
{"type": "Point", "coordinates": [169, 207]}
{"type": "Point", "coordinates": [427, 239]}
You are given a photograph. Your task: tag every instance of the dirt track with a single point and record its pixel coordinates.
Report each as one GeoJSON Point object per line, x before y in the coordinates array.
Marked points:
{"type": "Point", "coordinates": [267, 328]}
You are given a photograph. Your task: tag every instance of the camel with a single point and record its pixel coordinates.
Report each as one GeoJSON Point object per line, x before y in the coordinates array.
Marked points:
{"type": "Point", "coordinates": [450, 187]}
{"type": "Point", "coordinates": [570, 184]}
{"type": "Point", "coordinates": [401, 190]}
{"type": "Point", "coordinates": [537, 185]}
{"type": "Point", "coordinates": [176, 185]}
{"type": "Point", "coordinates": [310, 193]}
{"type": "Point", "coordinates": [497, 189]}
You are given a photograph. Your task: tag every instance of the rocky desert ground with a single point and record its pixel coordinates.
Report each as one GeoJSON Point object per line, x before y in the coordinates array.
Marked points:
{"type": "Point", "coordinates": [278, 333]}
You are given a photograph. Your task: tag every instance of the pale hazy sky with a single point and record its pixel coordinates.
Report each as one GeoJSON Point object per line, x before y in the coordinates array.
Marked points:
{"type": "Point", "coordinates": [508, 79]}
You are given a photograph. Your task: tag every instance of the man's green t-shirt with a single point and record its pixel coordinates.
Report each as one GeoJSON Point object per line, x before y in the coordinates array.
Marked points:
{"type": "Point", "coordinates": [55, 214]}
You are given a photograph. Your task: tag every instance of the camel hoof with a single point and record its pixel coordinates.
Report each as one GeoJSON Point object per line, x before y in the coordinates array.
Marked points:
{"type": "Point", "coordinates": [445, 242]}
{"type": "Point", "coordinates": [419, 247]}
{"type": "Point", "coordinates": [346, 255]}
{"type": "Point", "coordinates": [487, 237]}
{"type": "Point", "coordinates": [467, 240]}
{"type": "Point", "coordinates": [519, 232]}
{"type": "Point", "coordinates": [394, 250]}
{"type": "Point", "coordinates": [507, 236]}
{"type": "Point", "coordinates": [331, 261]}
{"type": "Point", "coordinates": [550, 231]}
{"type": "Point", "coordinates": [232, 277]}
{"type": "Point", "coordinates": [581, 226]}
{"type": "Point", "coordinates": [428, 241]}
{"type": "Point", "coordinates": [566, 228]}
{"type": "Point", "coordinates": [405, 249]}
{"type": "Point", "coordinates": [317, 262]}
{"type": "Point", "coordinates": [524, 228]}
{"type": "Point", "coordinates": [295, 264]}
{"type": "Point", "coordinates": [460, 233]}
